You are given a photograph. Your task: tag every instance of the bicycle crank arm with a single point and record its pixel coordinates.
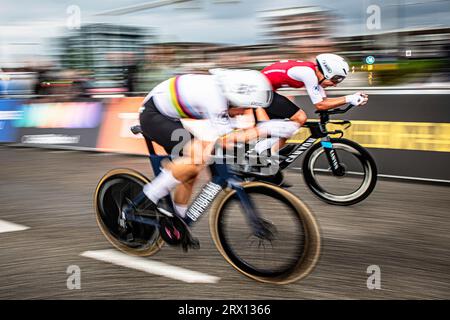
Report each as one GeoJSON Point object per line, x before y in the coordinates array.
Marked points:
{"type": "Point", "coordinates": [141, 219]}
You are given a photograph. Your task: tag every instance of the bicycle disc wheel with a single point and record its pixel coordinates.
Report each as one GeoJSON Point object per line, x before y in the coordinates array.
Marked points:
{"type": "Point", "coordinates": [292, 252]}
{"type": "Point", "coordinates": [110, 197]}
{"type": "Point", "coordinates": [353, 186]}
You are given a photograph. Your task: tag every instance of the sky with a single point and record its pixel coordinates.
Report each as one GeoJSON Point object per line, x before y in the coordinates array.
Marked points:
{"type": "Point", "coordinates": [27, 26]}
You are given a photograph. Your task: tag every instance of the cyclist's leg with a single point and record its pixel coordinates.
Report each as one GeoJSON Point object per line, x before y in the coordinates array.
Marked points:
{"type": "Point", "coordinates": [182, 170]}
{"type": "Point", "coordinates": [299, 117]}
{"type": "Point", "coordinates": [160, 129]}
{"type": "Point", "coordinates": [283, 108]}
{"type": "Point", "coordinates": [182, 195]}
{"type": "Point", "coordinates": [196, 152]}
{"type": "Point", "coordinates": [184, 191]}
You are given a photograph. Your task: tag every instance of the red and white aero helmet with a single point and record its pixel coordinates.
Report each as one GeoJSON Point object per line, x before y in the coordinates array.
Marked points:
{"type": "Point", "coordinates": [333, 67]}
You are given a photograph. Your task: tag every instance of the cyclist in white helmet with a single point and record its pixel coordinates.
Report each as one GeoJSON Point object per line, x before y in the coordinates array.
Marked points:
{"type": "Point", "coordinates": [327, 71]}
{"type": "Point", "coordinates": [211, 98]}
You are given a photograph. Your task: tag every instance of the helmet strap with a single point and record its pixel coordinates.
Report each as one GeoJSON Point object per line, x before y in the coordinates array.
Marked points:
{"type": "Point", "coordinates": [321, 71]}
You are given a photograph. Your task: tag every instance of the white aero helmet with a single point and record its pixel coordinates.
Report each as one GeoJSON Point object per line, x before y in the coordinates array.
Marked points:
{"type": "Point", "coordinates": [333, 67]}
{"type": "Point", "coordinates": [244, 88]}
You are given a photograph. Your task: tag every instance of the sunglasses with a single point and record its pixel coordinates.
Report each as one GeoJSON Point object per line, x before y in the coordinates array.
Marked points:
{"type": "Point", "coordinates": [337, 79]}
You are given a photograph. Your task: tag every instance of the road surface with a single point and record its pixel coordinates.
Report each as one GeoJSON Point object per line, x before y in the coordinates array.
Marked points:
{"type": "Point", "coordinates": [47, 225]}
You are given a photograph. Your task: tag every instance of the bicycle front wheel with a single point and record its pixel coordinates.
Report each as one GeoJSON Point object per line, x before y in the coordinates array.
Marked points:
{"type": "Point", "coordinates": [354, 185]}
{"type": "Point", "coordinates": [288, 256]}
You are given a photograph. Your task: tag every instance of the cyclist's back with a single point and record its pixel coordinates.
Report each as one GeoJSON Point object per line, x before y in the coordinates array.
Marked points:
{"type": "Point", "coordinates": [285, 73]}
{"type": "Point", "coordinates": [192, 96]}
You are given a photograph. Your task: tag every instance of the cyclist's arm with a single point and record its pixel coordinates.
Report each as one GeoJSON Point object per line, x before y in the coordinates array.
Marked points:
{"type": "Point", "coordinates": [261, 115]}
{"type": "Point", "coordinates": [223, 127]}
{"type": "Point", "coordinates": [241, 135]}
{"type": "Point", "coordinates": [330, 103]}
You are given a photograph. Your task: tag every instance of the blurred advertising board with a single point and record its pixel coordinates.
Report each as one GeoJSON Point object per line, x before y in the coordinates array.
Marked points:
{"type": "Point", "coordinates": [9, 113]}
{"type": "Point", "coordinates": [73, 124]}
{"type": "Point", "coordinates": [115, 135]}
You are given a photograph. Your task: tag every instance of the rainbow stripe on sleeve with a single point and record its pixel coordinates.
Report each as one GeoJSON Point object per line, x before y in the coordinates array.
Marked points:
{"type": "Point", "coordinates": [182, 108]}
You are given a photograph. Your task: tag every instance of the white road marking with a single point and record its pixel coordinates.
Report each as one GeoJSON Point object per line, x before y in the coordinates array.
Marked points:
{"type": "Point", "coordinates": [150, 266]}
{"type": "Point", "coordinates": [6, 226]}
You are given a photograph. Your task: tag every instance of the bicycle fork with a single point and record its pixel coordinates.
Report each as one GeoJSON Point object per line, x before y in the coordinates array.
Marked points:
{"type": "Point", "coordinates": [336, 167]}
{"type": "Point", "coordinates": [260, 227]}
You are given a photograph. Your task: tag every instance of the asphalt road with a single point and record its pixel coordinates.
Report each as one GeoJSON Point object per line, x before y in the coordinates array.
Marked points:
{"type": "Point", "coordinates": [403, 228]}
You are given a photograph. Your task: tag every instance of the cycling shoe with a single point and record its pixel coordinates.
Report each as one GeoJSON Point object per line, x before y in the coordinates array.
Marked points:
{"type": "Point", "coordinates": [189, 241]}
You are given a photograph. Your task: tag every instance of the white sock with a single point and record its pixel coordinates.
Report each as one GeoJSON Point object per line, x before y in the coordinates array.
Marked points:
{"type": "Point", "coordinates": [161, 186]}
{"type": "Point", "coordinates": [180, 209]}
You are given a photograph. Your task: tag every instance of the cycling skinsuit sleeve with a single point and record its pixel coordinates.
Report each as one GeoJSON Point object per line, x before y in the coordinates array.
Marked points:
{"type": "Point", "coordinates": [309, 78]}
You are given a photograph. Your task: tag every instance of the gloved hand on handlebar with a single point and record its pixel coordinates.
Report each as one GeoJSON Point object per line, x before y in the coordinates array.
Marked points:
{"type": "Point", "coordinates": [357, 99]}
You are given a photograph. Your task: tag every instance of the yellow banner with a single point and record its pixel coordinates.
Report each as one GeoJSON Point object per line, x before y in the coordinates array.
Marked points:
{"type": "Point", "coordinates": [422, 136]}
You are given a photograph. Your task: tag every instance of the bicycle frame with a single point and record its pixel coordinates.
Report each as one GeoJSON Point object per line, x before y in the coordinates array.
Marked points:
{"type": "Point", "coordinates": [292, 152]}
{"type": "Point", "coordinates": [221, 178]}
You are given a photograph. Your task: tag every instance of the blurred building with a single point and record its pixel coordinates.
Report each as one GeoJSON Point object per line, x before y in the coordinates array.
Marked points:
{"type": "Point", "coordinates": [246, 56]}
{"type": "Point", "coordinates": [185, 57]}
{"type": "Point", "coordinates": [300, 32]}
{"type": "Point", "coordinates": [414, 55]}
{"type": "Point", "coordinates": [164, 60]}
{"type": "Point", "coordinates": [110, 53]}
{"type": "Point", "coordinates": [426, 42]}
{"type": "Point", "coordinates": [198, 57]}
{"type": "Point", "coordinates": [419, 43]}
